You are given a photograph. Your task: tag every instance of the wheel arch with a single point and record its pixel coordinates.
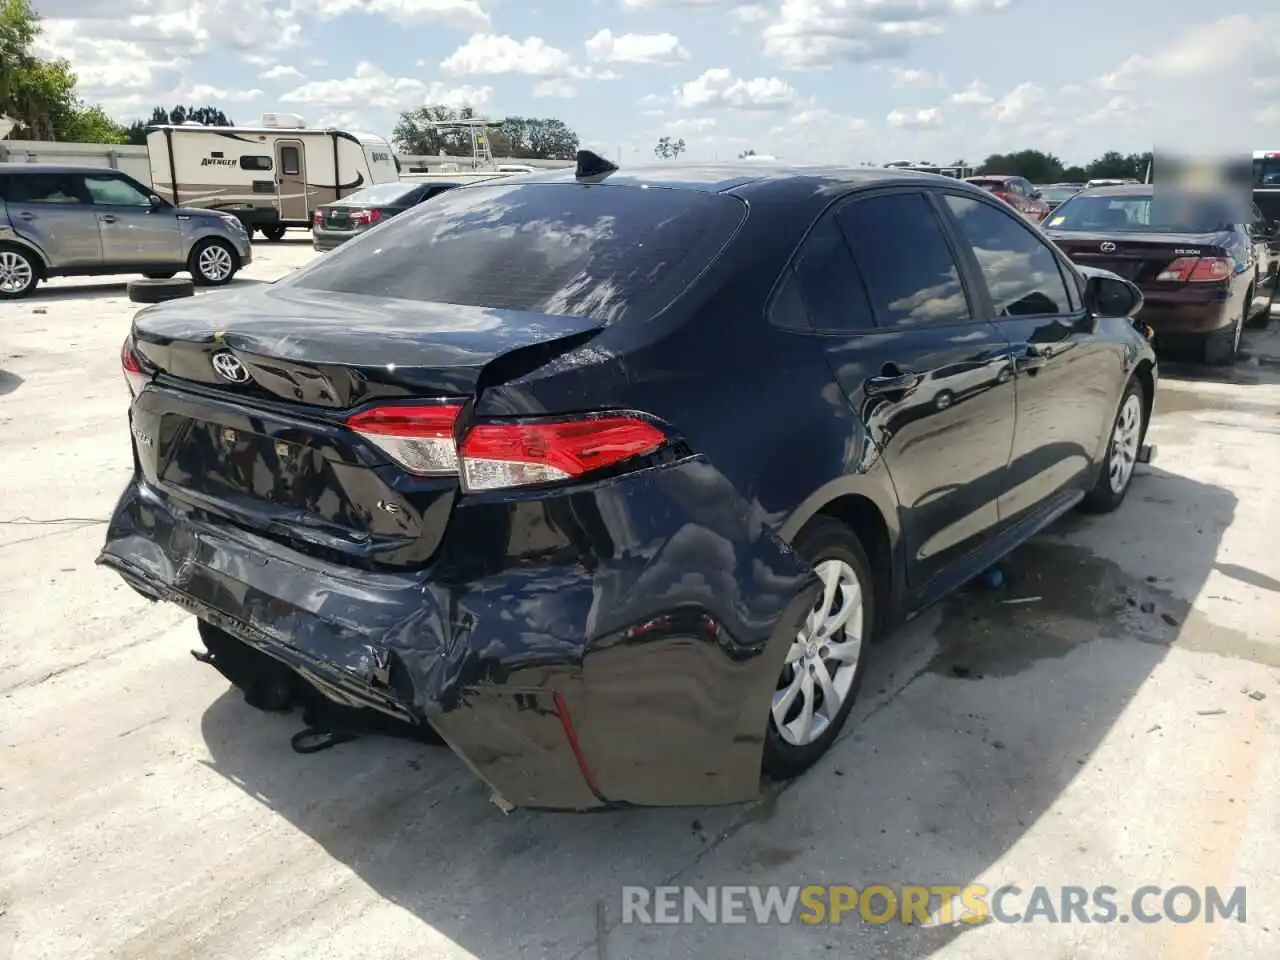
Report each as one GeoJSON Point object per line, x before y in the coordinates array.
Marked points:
{"type": "Point", "coordinates": [18, 243]}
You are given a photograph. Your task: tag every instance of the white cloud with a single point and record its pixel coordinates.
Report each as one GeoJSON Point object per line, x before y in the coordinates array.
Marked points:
{"type": "Point", "coordinates": [824, 121]}
{"type": "Point", "coordinates": [492, 55]}
{"type": "Point", "coordinates": [668, 4]}
{"type": "Point", "coordinates": [926, 119]}
{"type": "Point", "coordinates": [718, 87]}
{"type": "Point", "coordinates": [751, 13]}
{"type": "Point", "coordinates": [816, 34]}
{"type": "Point", "coordinates": [974, 95]}
{"type": "Point", "coordinates": [466, 14]}
{"type": "Point", "coordinates": [282, 71]}
{"type": "Point", "coordinates": [910, 79]}
{"type": "Point", "coordinates": [691, 125]}
{"type": "Point", "coordinates": [651, 105]}
{"type": "Point", "coordinates": [371, 86]}
{"type": "Point", "coordinates": [204, 93]}
{"type": "Point", "coordinates": [1022, 102]}
{"type": "Point", "coordinates": [556, 87]}
{"type": "Point", "coordinates": [644, 48]}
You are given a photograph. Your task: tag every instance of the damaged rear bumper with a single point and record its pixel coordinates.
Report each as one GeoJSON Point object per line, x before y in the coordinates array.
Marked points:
{"type": "Point", "coordinates": [608, 646]}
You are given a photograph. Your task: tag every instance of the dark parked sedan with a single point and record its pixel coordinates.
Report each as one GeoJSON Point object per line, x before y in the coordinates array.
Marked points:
{"type": "Point", "coordinates": [611, 479]}
{"type": "Point", "coordinates": [1204, 261]}
{"type": "Point", "coordinates": [335, 223]}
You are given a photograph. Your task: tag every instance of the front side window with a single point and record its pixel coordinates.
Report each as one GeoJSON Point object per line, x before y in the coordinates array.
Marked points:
{"type": "Point", "coordinates": [905, 260]}
{"type": "Point", "coordinates": [1021, 271]}
{"type": "Point", "coordinates": [114, 192]}
{"type": "Point", "coordinates": [602, 251]}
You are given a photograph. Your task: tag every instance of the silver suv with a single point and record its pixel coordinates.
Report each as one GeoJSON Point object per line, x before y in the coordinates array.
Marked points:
{"type": "Point", "coordinates": [60, 221]}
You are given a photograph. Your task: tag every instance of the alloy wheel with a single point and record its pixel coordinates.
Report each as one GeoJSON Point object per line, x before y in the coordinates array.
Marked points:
{"type": "Point", "coordinates": [823, 659]}
{"type": "Point", "coordinates": [215, 263]}
{"type": "Point", "coordinates": [1124, 443]}
{"type": "Point", "coordinates": [15, 272]}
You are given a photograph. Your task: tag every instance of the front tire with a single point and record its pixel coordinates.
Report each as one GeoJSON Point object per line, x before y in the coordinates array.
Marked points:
{"type": "Point", "coordinates": [19, 272]}
{"type": "Point", "coordinates": [213, 262]}
{"type": "Point", "coordinates": [825, 664]}
{"type": "Point", "coordinates": [1127, 432]}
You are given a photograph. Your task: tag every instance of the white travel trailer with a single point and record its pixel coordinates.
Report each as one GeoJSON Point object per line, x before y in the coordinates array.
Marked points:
{"type": "Point", "coordinates": [272, 176]}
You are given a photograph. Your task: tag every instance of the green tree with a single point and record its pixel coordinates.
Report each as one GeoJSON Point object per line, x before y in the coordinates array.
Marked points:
{"type": "Point", "coordinates": [1035, 165]}
{"type": "Point", "coordinates": [40, 95]}
{"type": "Point", "coordinates": [418, 133]}
{"type": "Point", "coordinates": [210, 116]}
{"type": "Point", "coordinates": [668, 149]}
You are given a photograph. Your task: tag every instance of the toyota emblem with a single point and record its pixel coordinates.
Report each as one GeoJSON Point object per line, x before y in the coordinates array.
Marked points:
{"type": "Point", "coordinates": [229, 368]}
{"type": "Point", "coordinates": [1107, 247]}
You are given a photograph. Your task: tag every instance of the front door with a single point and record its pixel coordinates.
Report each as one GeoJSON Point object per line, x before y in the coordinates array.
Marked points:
{"type": "Point", "coordinates": [52, 212]}
{"type": "Point", "coordinates": [929, 380]}
{"type": "Point", "coordinates": [1066, 375]}
{"type": "Point", "coordinates": [133, 233]}
{"type": "Point", "coordinates": [291, 182]}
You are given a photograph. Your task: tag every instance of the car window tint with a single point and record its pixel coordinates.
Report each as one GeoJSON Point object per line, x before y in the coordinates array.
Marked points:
{"type": "Point", "coordinates": [43, 188]}
{"type": "Point", "coordinates": [905, 261]}
{"type": "Point", "coordinates": [828, 282]}
{"type": "Point", "coordinates": [112, 191]}
{"type": "Point", "coordinates": [1021, 271]}
{"type": "Point", "coordinates": [603, 251]}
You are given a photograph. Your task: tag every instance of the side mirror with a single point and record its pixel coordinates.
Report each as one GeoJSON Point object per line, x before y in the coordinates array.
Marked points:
{"type": "Point", "coordinates": [155, 201]}
{"type": "Point", "coordinates": [1112, 297]}
{"type": "Point", "coordinates": [1036, 194]}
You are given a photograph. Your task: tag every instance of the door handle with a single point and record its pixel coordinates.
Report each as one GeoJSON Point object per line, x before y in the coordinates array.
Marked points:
{"type": "Point", "coordinates": [894, 383]}
{"type": "Point", "coordinates": [1035, 356]}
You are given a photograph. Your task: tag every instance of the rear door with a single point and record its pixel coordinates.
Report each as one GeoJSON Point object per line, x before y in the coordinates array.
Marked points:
{"type": "Point", "coordinates": [132, 233]}
{"type": "Point", "coordinates": [1067, 376]}
{"type": "Point", "coordinates": [291, 181]}
{"type": "Point", "coordinates": [51, 211]}
{"type": "Point", "coordinates": [930, 381]}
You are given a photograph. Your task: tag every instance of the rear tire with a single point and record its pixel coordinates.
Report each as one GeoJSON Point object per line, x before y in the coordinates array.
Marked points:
{"type": "Point", "coordinates": [1261, 319]}
{"type": "Point", "coordinates": [19, 272]}
{"type": "Point", "coordinates": [274, 234]}
{"type": "Point", "coordinates": [823, 664]}
{"type": "Point", "coordinates": [213, 262]}
{"type": "Point", "coordinates": [1128, 430]}
{"type": "Point", "coordinates": [1221, 348]}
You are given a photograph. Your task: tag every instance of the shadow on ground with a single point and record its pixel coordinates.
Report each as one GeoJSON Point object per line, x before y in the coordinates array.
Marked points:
{"type": "Point", "coordinates": [1257, 362]}
{"type": "Point", "coordinates": [973, 721]}
{"type": "Point", "coordinates": [9, 382]}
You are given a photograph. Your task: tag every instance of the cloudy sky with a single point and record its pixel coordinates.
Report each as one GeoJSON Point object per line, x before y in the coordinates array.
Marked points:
{"type": "Point", "coordinates": [806, 80]}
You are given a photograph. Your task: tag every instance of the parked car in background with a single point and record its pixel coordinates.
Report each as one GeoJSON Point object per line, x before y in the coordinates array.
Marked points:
{"type": "Point", "coordinates": [335, 223]}
{"type": "Point", "coordinates": [1055, 194]}
{"type": "Point", "coordinates": [488, 475]}
{"type": "Point", "coordinates": [66, 221]}
{"type": "Point", "coordinates": [1206, 264]}
{"type": "Point", "coordinates": [1266, 184]}
{"type": "Point", "coordinates": [1017, 192]}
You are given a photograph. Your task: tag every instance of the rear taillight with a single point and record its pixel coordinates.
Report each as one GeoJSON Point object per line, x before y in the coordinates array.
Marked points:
{"type": "Point", "coordinates": [496, 455]}
{"type": "Point", "coordinates": [419, 438]}
{"type": "Point", "coordinates": [134, 375]}
{"type": "Point", "coordinates": [1198, 270]}
{"type": "Point", "coordinates": [366, 218]}
{"type": "Point", "coordinates": [317, 218]}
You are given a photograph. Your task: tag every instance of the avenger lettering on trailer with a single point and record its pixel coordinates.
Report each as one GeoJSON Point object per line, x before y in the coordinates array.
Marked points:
{"type": "Point", "coordinates": [216, 162]}
{"type": "Point", "coordinates": [380, 157]}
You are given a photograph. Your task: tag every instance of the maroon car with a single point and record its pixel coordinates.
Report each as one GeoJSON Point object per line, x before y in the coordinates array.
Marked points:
{"type": "Point", "coordinates": [1017, 192]}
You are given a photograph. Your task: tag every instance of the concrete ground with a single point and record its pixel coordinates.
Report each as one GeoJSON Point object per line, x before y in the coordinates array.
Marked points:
{"type": "Point", "coordinates": [1120, 728]}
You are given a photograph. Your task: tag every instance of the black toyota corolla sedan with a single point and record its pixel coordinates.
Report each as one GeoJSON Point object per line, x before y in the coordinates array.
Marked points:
{"type": "Point", "coordinates": [611, 479]}
{"type": "Point", "coordinates": [1204, 260]}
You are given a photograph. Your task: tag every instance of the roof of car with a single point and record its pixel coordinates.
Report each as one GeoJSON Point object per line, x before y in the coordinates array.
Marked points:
{"type": "Point", "coordinates": [1119, 190]}
{"type": "Point", "coordinates": [11, 168]}
{"type": "Point", "coordinates": [720, 177]}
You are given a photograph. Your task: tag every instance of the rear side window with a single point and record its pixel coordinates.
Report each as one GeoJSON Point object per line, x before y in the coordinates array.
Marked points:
{"type": "Point", "coordinates": [827, 282]}
{"type": "Point", "coordinates": [1022, 273]}
{"type": "Point", "coordinates": [43, 188]}
{"type": "Point", "coordinates": [600, 251]}
{"type": "Point", "coordinates": [905, 260]}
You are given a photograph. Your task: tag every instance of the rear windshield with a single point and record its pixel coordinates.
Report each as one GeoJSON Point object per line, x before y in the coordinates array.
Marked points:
{"type": "Point", "coordinates": [990, 184]}
{"type": "Point", "coordinates": [1266, 173]}
{"type": "Point", "coordinates": [382, 193]}
{"type": "Point", "coordinates": [1167, 213]}
{"type": "Point", "coordinates": [1058, 194]}
{"type": "Point", "coordinates": [586, 250]}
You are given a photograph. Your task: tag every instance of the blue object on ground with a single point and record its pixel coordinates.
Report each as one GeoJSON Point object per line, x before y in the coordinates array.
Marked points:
{"type": "Point", "coordinates": [993, 578]}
